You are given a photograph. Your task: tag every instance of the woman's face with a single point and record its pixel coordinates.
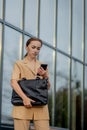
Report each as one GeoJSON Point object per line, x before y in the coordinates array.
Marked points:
{"type": "Point", "coordinates": [33, 48]}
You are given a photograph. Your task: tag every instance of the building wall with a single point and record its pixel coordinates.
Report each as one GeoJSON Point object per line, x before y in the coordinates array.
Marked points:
{"type": "Point", "coordinates": [61, 24]}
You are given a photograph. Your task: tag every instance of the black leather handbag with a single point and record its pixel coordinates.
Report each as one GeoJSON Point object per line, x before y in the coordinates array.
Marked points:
{"type": "Point", "coordinates": [36, 89]}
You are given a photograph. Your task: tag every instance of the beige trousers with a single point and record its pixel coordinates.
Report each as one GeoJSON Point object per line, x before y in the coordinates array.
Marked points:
{"type": "Point", "coordinates": [24, 124]}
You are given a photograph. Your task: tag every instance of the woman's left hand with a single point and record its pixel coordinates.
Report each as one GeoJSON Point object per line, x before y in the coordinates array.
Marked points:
{"type": "Point", "coordinates": [42, 72]}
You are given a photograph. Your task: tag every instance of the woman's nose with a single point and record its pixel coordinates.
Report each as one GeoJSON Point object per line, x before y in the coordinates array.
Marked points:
{"type": "Point", "coordinates": [36, 50]}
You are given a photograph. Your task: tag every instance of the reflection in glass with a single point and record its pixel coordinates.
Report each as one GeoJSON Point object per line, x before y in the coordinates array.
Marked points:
{"type": "Point", "coordinates": [25, 40]}
{"type": "Point", "coordinates": [77, 87]}
{"type": "Point", "coordinates": [0, 38]}
{"type": "Point", "coordinates": [11, 54]}
{"type": "Point", "coordinates": [62, 80]}
{"type": "Point", "coordinates": [14, 12]}
{"type": "Point", "coordinates": [85, 91]}
{"type": "Point", "coordinates": [46, 56]}
{"type": "Point", "coordinates": [31, 19]}
{"type": "Point", "coordinates": [47, 21]}
{"type": "Point", "coordinates": [77, 29]}
{"type": "Point", "coordinates": [85, 102]}
{"type": "Point", "coordinates": [1, 8]}
{"type": "Point", "coordinates": [63, 25]}
{"type": "Point", "coordinates": [86, 32]}
{"type": "Point", "coordinates": [61, 107]}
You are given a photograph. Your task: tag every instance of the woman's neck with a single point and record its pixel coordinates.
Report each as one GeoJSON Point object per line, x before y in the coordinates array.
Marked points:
{"type": "Point", "coordinates": [31, 59]}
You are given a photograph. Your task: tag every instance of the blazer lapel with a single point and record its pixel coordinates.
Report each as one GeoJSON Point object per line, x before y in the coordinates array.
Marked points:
{"type": "Point", "coordinates": [37, 65]}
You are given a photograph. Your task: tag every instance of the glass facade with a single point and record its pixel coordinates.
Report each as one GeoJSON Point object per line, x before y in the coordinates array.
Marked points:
{"type": "Point", "coordinates": [61, 24]}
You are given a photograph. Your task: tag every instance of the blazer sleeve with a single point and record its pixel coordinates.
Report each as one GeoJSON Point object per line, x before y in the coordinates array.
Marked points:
{"type": "Point", "coordinates": [16, 72]}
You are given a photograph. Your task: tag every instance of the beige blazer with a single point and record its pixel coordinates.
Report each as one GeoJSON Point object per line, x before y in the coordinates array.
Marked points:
{"type": "Point", "coordinates": [23, 69]}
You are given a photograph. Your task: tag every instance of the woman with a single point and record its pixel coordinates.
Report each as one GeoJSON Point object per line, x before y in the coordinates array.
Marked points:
{"type": "Point", "coordinates": [29, 67]}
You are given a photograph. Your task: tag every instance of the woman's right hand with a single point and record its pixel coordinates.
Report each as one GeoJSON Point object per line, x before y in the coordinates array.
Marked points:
{"type": "Point", "coordinates": [27, 102]}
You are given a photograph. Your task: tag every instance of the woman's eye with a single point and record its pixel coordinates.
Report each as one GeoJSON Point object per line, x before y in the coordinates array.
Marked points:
{"type": "Point", "coordinates": [33, 47]}
{"type": "Point", "coordinates": [38, 48]}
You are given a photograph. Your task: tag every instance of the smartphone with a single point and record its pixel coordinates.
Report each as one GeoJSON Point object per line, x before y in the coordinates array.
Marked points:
{"type": "Point", "coordinates": [44, 66]}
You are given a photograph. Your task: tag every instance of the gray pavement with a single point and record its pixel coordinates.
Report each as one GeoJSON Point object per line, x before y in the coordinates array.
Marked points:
{"type": "Point", "coordinates": [51, 128]}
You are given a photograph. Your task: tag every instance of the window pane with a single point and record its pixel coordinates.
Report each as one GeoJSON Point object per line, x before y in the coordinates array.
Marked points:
{"type": "Point", "coordinates": [25, 40]}
{"type": "Point", "coordinates": [77, 87]}
{"type": "Point", "coordinates": [48, 59]}
{"type": "Point", "coordinates": [85, 89]}
{"type": "Point", "coordinates": [62, 80]}
{"type": "Point", "coordinates": [47, 21]}
{"type": "Point", "coordinates": [31, 16]}
{"type": "Point", "coordinates": [0, 36]}
{"type": "Point", "coordinates": [46, 56]}
{"type": "Point", "coordinates": [12, 45]}
{"type": "Point", "coordinates": [14, 12]}
{"type": "Point", "coordinates": [0, 8]}
{"type": "Point", "coordinates": [86, 31]}
{"type": "Point", "coordinates": [0, 44]}
{"type": "Point", "coordinates": [63, 25]}
{"type": "Point", "coordinates": [85, 105]}
{"type": "Point", "coordinates": [77, 29]}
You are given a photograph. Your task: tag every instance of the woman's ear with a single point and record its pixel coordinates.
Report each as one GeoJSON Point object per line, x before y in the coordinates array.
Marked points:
{"type": "Point", "coordinates": [26, 48]}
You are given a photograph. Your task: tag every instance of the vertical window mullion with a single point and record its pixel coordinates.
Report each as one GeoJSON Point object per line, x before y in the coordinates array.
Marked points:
{"type": "Point", "coordinates": [1, 55]}
{"type": "Point", "coordinates": [83, 51]}
{"type": "Point", "coordinates": [70, 71]}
